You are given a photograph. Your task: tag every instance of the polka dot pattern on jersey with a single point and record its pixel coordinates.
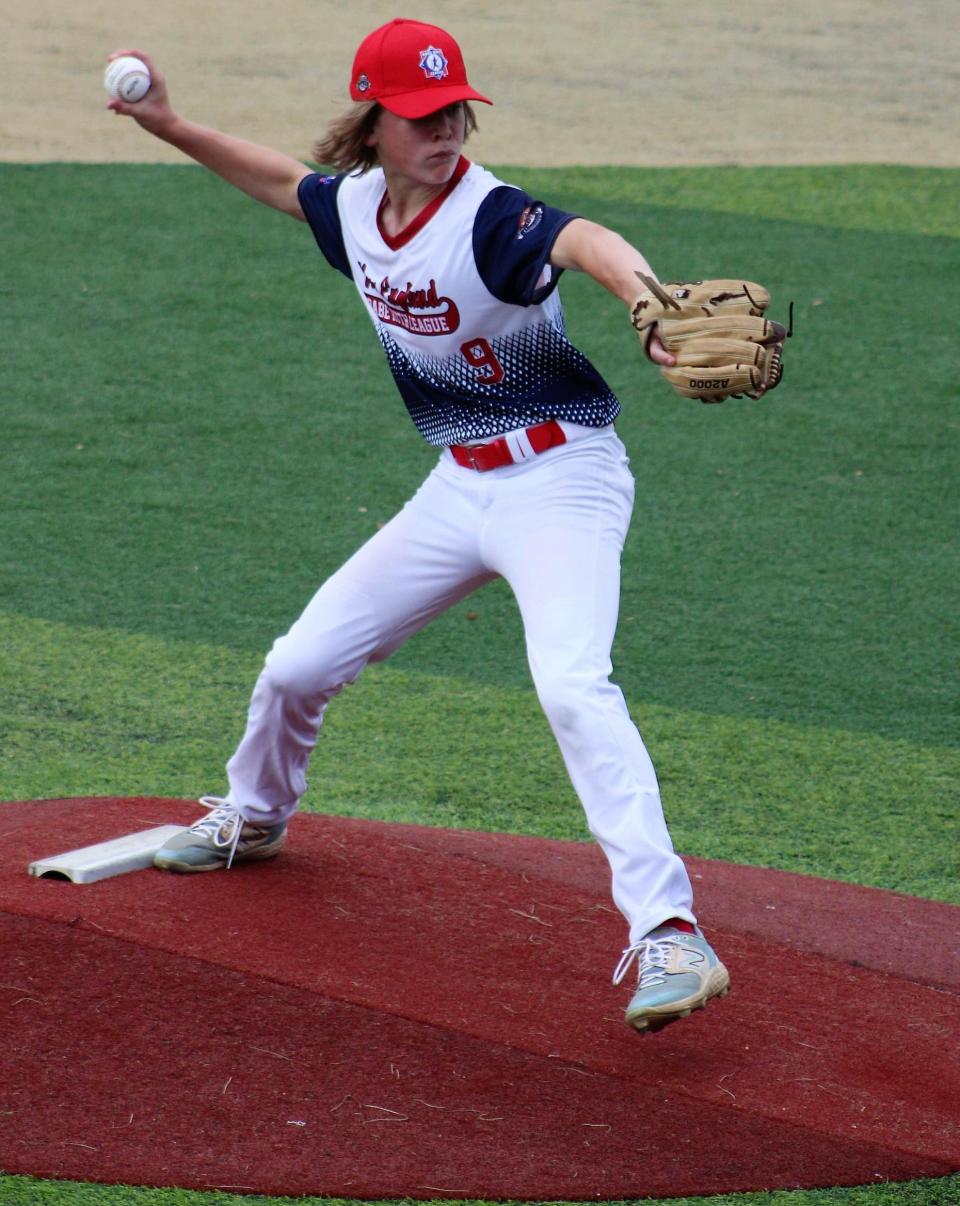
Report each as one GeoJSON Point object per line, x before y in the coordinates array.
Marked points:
{"type": "Point", "coordinates": [543, 377]}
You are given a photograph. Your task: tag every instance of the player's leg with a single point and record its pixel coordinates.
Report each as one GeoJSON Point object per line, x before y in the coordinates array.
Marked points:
{"type": "Point", "coordinates": [559, 537]}
{"type": "Point", "coordinates": [559, 530]}
{"type": "Point", "coordinates": [411, 570]}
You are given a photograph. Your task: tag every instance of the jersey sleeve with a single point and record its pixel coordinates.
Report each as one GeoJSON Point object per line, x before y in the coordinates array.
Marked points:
{"type": "Point", "coordinates": [513, 236]}
{"type": "Point", "coordinates": [318, 200]}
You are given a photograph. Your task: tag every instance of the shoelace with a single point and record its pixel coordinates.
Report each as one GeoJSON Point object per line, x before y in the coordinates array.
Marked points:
{"type": "Point", "coordinates": [223, 826]}
{"type": "Point", "coordinates": [653, 953]}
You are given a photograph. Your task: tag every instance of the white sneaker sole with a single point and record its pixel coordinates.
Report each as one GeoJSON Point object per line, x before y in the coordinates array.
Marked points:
{"type": "Point", "coordinates": [173, 863]}
{"type": "Point", "coordinates": [652, 1020]}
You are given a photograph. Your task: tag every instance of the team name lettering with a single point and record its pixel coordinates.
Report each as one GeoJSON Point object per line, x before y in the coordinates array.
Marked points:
{"type": "Point", "coordinates": [417, 324]}
{"type": "Point", "coordinates": [404, 307]}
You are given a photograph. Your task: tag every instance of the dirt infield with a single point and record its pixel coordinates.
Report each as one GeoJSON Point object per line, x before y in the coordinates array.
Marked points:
{"type": "Point", "coordinates": [825, 81]}
{"type": "Point", "coordinates": [388, 1011]}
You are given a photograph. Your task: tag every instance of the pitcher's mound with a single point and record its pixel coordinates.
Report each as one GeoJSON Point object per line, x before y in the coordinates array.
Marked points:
{"type": "Point", "coordinates": [389, 1011]}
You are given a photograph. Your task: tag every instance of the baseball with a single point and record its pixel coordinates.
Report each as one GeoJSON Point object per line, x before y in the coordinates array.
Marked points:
{"type": "Point", "coordinates": [127, 79]}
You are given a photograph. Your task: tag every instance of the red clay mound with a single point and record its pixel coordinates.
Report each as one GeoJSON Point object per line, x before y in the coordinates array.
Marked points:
{"type": "Point", "coordinates": [392, 1011]}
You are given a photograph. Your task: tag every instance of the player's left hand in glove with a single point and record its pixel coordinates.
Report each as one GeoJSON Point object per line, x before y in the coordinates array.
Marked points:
{"type": "Point", "coordinates": [715, 329]}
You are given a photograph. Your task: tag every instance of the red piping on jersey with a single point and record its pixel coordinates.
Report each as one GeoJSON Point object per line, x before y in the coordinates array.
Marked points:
{"type": "Point", "coordinates": [395, 242]}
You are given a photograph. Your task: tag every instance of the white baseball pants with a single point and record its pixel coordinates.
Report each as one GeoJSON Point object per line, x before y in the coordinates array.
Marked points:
{"type": "Point", "coordinates": [553, 527]}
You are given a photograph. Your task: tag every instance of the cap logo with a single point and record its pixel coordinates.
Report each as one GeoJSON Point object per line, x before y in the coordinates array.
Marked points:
{"type": "Point", "coordinates": [363, 84]}
{"type": "Point", "coordinates": [433, 62]}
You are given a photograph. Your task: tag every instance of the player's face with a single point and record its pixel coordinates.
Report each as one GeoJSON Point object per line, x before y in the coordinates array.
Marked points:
{"type": "Point", "coordinates": [425, 149]}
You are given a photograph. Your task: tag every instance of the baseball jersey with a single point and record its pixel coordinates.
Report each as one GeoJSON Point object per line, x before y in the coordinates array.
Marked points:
{"type": "Point", "coordinates": [464, 302]}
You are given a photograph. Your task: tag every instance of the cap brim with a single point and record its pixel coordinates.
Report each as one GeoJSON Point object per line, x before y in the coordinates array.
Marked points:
{"type": "Point", "coordinates": [425, 101]}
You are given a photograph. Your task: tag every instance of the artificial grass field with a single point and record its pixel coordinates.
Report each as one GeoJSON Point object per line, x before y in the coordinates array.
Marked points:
{"type": "Point", "coordinates": [198, 427]}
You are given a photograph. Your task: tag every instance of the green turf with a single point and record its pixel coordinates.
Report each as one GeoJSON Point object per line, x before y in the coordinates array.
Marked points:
{"type": "Point", "coordinates": [26, 1191]}
{"type": "Point", "coordinates": [158, 717]}
{"type": "Point", "coordinates": [169, 452]}
{"type": "Point", "coordinates": [198, 427]}
{"type": "Point", "coordinates": [900, 199]}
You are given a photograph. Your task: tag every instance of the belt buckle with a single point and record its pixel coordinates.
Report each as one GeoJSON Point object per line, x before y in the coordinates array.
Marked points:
{"type": "Point", "coordinates": [478, 458]}
{"type": "Point", "coordinates": [474, 455]}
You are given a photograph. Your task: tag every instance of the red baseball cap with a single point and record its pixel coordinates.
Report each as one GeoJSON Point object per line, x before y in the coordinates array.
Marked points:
{"type": "Point", "coordinates": [412, 69]}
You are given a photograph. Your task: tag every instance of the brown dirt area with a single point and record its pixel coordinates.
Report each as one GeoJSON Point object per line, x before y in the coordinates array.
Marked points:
{"type": "Point", "coordinates": [706, 82]}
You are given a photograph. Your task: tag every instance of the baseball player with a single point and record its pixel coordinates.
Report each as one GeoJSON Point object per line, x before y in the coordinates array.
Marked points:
{"type": "Point", "coordinates": [458, 273]}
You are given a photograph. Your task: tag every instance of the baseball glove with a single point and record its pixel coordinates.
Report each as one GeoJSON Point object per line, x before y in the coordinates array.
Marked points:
{"type": "Point", "coordinates": [724, 346]}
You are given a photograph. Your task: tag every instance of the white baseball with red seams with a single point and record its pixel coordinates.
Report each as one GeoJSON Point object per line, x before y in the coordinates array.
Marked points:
{"type": "Point", "coordinates": [127, 78]}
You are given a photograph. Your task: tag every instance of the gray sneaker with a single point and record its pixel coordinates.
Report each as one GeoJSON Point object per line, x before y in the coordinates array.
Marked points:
{"type": "Point", "coordinates": [677, 973]}
{"type": "Point", "coordinates": [219, 839]}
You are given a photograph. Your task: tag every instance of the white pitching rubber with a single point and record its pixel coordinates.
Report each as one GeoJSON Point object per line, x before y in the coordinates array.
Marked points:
{"type": "Point", "coordinates": [133, 852]}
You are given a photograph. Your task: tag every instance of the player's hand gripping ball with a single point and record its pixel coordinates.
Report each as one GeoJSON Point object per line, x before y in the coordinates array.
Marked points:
{"type": "Point", "coordinates": [127, 79]}
{"type": "Point", "coordinates": [723, 345]}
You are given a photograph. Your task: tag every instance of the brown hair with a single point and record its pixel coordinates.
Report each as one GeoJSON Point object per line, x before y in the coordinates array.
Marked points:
{"type": "Point", "coordinates": [343, 145]}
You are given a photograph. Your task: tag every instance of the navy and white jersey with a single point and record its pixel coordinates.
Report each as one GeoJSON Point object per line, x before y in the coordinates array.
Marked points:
{"type": "Point", "coordinates": [464, 301]}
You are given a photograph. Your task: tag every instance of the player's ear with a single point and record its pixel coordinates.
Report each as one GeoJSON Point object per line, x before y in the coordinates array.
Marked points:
{"type": "Point", "coordinates": [370, 137]}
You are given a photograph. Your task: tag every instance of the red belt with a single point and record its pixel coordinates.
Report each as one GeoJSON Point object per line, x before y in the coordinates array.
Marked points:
{"type": "Point", "coordinates": [496, 453]}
